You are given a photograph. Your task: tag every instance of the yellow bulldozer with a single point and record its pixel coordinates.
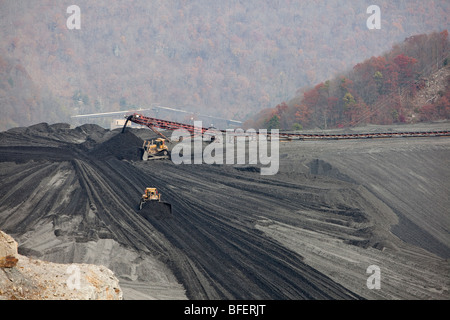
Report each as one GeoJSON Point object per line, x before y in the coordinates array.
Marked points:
{"type": "Point", "coordinates": [151, 204]}
{"type": "Point", "coordinates": [157, 149]}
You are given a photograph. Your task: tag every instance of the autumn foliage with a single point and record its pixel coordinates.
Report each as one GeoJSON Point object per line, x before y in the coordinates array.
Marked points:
{"type": "Point", "coordinates": [380, 90]}
{"type": "Point", "coordinates": [229, 59]}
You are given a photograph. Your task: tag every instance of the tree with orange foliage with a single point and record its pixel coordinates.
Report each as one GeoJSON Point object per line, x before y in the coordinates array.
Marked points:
{"type": "Point", "coordinates": [302, 114]}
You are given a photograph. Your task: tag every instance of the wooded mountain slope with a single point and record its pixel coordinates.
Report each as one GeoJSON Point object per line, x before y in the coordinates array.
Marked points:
{"type": "Point", "coordinates": [408, 84]}
{"type": "Point", "coordinates": [225, 58]}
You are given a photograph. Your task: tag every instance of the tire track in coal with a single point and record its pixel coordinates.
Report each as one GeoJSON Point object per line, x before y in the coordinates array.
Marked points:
{"type": "Point", "coordinates": [117, 181]}
{"type": "Point", "coordinates": [132, 183]}
{"type": "Point", "coordinates": [198, 240]}
{"type": "Point", "coordinates": [277, 278]}
{"type": "Point", "coordinates": [108, 205]}
{"type": "Point", "coordinates": [215, 253]}
{"type": "Point", "coordinates": [27, 191]}
{"type": "Point", "coordinates": [235, 257]}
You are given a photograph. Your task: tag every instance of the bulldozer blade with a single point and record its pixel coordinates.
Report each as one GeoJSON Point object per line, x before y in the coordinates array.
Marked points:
{"type": "Point", "coordinates": [155, 156]}
{"type": "Point", "coordinates": [145, 156]}
{"type": "Point", "coordinates": [156, 209]}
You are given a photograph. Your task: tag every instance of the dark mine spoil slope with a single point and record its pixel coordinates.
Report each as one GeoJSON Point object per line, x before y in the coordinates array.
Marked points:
{"type": "Point", "coordinates": [213, 256]}
{"type": "Point", "coordinates": [120, 146]}
{"type": "Point", "coordinates": [83, 185]}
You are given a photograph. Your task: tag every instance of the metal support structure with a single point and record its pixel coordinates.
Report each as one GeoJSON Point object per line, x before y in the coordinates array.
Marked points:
{"type": "Point", "coordinates": [193, 130]}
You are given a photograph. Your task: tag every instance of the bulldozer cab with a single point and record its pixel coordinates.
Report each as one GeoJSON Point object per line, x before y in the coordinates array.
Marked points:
{"type": "Point", "coordinates": [155, 149]}
{"type": "Point", "coordinates": [160, 143]}
{"type": "Point", "coordinates": [151, 194]}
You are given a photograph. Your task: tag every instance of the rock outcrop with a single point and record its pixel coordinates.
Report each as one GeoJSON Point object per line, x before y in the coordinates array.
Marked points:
{"type": "Point", "coordinates": [8, 251]}
{"type": "Point", "coordinates": [23, 278]}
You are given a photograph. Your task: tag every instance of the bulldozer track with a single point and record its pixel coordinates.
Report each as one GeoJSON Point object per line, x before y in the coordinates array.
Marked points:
{"type": "Point", "coordinates": [225, 236]}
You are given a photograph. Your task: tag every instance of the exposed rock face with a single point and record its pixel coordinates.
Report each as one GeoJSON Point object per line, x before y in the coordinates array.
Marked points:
{"type": "Point", "coordinates": [8, 251]}
{"type": "Point", "coordinates": [30, 279]}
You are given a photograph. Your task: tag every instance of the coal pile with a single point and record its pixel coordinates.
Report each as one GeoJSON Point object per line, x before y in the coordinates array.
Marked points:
{"type": "Point", "coordinates": [58, 142]}
{"type": "Point", "coordinates": [309, 232]}
{"type": "Point", "coordinates": [55, 135]}
{"type": "Point", "coordinates": [123, 146]}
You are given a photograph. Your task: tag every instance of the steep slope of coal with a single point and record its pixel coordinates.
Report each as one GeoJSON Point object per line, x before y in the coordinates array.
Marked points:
{"type": "Point", "coordinates": [89, 196]}
{"type": "Point", "coordinates": [309, 232]}
{"type": "Point", "coordinates": [65, 205]}
{"type": "Point", "coordinates": [123, 146]}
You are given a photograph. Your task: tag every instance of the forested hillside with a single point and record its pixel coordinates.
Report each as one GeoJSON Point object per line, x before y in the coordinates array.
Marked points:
{"type": "Point", "coordinates": [225, 58]}
{"type": "Point", "coordinates": [381, 90]}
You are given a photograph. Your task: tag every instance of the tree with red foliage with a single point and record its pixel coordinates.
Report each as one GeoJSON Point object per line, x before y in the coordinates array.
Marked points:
{"type": "Point", "coordinates": [281, 108]}
{"type": "Point", "coordinates": [406, 72]}
{"type": "Point", "coordinates": [318, 105]}
{"type": "Point", "coordinates": [428, 112]}
{"type": "Point", "coordinates": [281, 111]}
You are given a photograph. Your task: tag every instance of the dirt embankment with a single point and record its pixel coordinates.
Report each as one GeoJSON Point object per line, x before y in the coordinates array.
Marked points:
{"type": "Point", "coordinates": [23, 278]}
{"type": "Point", "coordinates": [309, 232]}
